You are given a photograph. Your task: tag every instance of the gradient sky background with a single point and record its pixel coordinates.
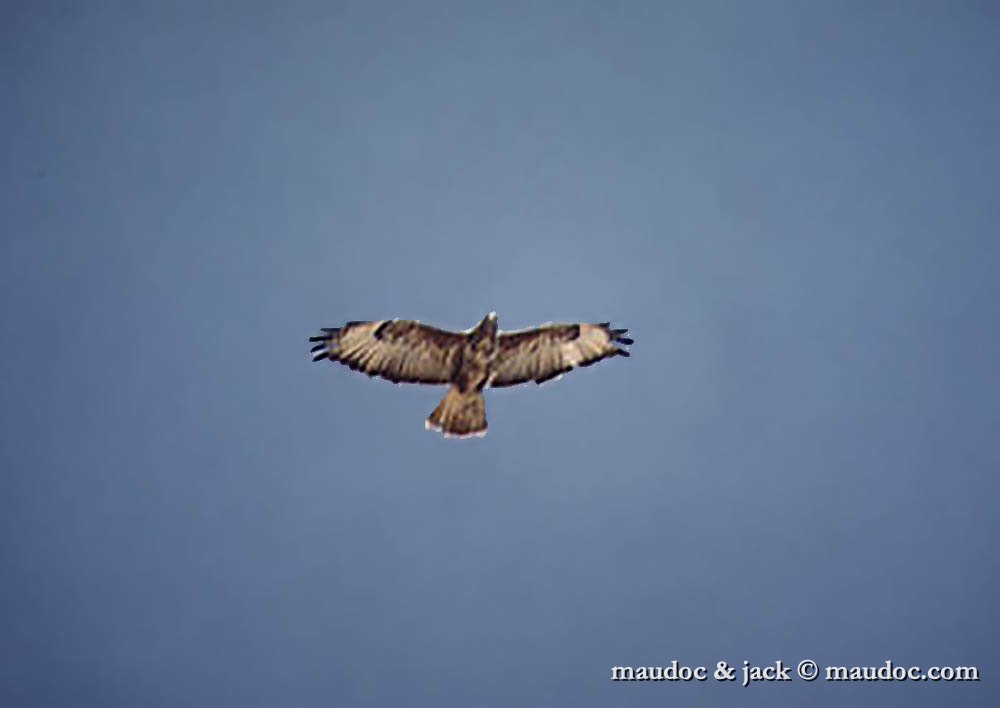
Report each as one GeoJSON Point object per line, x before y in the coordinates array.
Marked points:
{"type": "Point", "coordinates": [793, 206]}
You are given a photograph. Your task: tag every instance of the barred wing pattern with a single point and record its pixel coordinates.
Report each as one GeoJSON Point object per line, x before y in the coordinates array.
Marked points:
{"type": "Point", "coordinates": [402, 351]}
{"type": "Point", "coordinates": [546, 352]}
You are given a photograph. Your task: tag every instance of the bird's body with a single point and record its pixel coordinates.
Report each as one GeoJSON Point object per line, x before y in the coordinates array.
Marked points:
{"type": "Point", "coordinates": [406, 351]}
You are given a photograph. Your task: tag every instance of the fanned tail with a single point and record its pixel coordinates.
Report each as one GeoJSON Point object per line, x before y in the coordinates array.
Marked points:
{"type": "Point", "coordinates": [459, 414]}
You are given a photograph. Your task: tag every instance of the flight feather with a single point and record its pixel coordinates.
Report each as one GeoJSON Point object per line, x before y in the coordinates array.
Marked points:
{"type": "Point", "coordinates": [543, 353]}
{"type": "Point", "coordinates": [401, 351]}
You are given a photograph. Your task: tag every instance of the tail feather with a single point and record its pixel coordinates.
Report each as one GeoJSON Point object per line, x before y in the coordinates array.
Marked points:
{"type": "Point", "coordinates": [459, 414]}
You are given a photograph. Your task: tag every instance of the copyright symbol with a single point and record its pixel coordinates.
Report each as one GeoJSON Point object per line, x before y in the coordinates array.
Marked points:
{"type": "Point", "coordinates": [807, 670]}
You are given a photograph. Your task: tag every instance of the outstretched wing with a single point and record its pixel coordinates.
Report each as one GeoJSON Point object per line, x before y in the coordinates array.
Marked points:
{"type": "Point", "coordinates": [548, 351]}
{"type": "Point", "coordinates": [402, 351]}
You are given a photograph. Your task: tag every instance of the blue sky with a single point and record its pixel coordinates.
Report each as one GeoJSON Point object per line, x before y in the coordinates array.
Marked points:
{"type": "Point", "coordinates": [792, 206]}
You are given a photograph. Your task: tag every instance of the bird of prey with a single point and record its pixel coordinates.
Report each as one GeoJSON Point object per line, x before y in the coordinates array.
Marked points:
{"type": "Point", "coordinates": [407, 351]}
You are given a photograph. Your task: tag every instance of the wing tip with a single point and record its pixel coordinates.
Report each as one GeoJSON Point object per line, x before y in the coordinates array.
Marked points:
{"type": "Point", "coordinates": [323, 343]}
{"type": "Point", "coordinates": [618, 335]}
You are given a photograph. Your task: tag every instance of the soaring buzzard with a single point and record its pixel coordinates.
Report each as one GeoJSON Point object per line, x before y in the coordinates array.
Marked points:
{"type": "Point", "coordinates": [406, 351]}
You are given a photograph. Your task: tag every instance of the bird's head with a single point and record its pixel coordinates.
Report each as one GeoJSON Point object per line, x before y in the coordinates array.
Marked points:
{"type": "Point", "coordinates": [487, 329]}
